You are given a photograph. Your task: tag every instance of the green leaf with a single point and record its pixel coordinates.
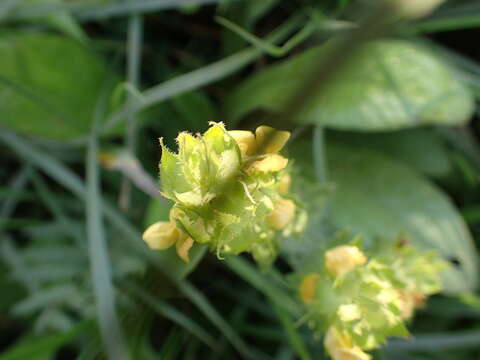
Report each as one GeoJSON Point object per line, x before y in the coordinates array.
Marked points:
{"type": "Point", "coordinates": [379, 197]}
{"type": "Point", "coordinates": [390, 85]}
{"type": "Point", "coordinates": [48, 85]}
{"type": "Point", "coordinates": [422, 149]}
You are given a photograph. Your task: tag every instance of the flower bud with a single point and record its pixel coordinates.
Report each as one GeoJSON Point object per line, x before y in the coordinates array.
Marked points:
{"type": "Point", "coordinates": [343, 259]}
{"type": "Point", "coordinates": [161, 235]}
{"type": "Point", "coordinates": [308, 288]}
{"type": "Point", "coordinates": [282, 214]}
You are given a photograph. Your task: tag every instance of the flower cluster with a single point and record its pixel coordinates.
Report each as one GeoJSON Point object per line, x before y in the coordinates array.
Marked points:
{"type": "Point", "coordinates": [359, 302]}
{"type": "Point", "coordinates": [230, 190]}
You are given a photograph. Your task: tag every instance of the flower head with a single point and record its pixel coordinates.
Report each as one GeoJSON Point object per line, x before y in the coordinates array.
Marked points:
{"type": "Point", "coordinates": [361, 300]}
{"type": "Point", "coordinates": [230, 190]}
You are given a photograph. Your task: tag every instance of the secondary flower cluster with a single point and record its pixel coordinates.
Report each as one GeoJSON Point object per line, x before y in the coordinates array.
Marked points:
{"type": "Point", "coordinates": [230, 190]}
{"type": "Point", "coordinates": [359, 302]}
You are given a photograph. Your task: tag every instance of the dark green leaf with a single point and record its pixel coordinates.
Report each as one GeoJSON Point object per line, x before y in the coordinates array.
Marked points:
{"type": "Point", "coordinates": [422, 149]}
{"type": "Point", "coordinates": [391, 85]}
{"type": "Point", "coordinates": [48, 85]}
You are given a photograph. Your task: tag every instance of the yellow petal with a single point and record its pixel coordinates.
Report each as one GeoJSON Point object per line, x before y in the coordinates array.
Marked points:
{"type": "Point", "coordinates": [245, 141]}
{"type": "Point", "coordinates": [184, 244]}
{"type": "Point", "coordinates": [270, 140]}
{"type": "Point", "coordinates": [343, 259]}
{"type": "Point", "coordinates": [160, 235]}
{"type": "Point", "coordinates": [285, 182]}
{"type": "Point", "coordinates": [270, 163]}
{"type": "Point", "coordinates": [282, 214]}
{"type": "Point", "coordinates": [340, 347]}
{"type": "Point", "coordinates": [308, 288]}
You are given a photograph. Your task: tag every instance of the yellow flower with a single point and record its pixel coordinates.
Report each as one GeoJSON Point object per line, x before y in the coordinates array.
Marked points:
{"type": "Point", "coordinates": [282, 214]}
{"type": "Point", "coordinates": [340, 347]}
{"type": "Point", "coordinates": [163, 234]}
{"type": "Point", "coordinates": [267, 142]}
{"type": "Point", "coordinates": [245, 140]}
{"type": "Point", "coordinates": [308, 288]}
{"type": "Point", "coordinates": [273, 162]}
{"type": "Point", "coordinates": [343, 259]}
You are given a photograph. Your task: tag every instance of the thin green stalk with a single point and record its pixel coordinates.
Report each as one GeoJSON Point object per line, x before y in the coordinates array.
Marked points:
{"type": "Point", "coordinates": [293, 336]}
{"type": "Point", "coordinates": [319, 155]}
{"type": "Point", "coordinates": [16, 185]}
{"type": "Point", "coordinates": [263, 284]}
{"type": "Point", "coordinates": [134, 51]}
{"type": "Point", "coordinates": [266, 46]}
{"type": "Point", "coordinates": [214, 316]}
{"type": "Point", "coordinates": [174, 315]}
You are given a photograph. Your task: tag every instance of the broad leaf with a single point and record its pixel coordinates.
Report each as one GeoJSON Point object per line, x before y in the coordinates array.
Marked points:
{"type": "Point", "coordinates": [49, 85]}
{"type": "Point", "coordinates": [390, 85]}
{"type": "Point", "coordinates": [379, 197]}
{"type": "Point", "coordinates": [422, 149]}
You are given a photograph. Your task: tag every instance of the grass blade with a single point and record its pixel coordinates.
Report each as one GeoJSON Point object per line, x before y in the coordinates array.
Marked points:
{"type": "Point", "coordinates": [456, 340]}
{"type": "Point", "coordinates": [214, 316]}
{"type": "Point", "coordinates": [293, 336]}
{"type": "Point", "coordinates": [169, 312]}
{"type": "Point", "coordinates": [263, 284]}
{"type": "Point", "coordinates": [73, 183]}
{"type": "Point", "coordinates": [200, 77]}
{"type": "Point", "coordinates": [110, 330]}
{"type": "Point", "coordinates": [16, 185]}
{"type": "Point", "coordinates": [40, 348]}
{"type": "Point", "coordinates": [88, 10]}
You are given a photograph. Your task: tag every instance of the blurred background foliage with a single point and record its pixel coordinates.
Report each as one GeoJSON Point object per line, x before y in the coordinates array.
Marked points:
{"type": "Point", "coordinates": [384, 115]}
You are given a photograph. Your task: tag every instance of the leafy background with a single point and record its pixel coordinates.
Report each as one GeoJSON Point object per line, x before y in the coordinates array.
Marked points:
{"type": "Point", "coordinates": [388, 128]}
